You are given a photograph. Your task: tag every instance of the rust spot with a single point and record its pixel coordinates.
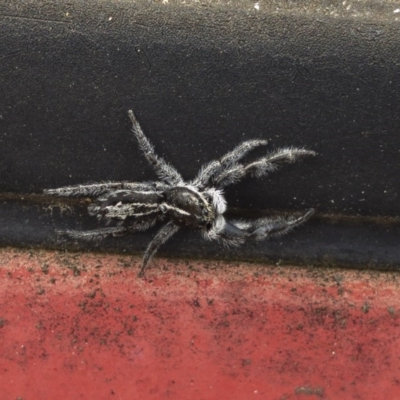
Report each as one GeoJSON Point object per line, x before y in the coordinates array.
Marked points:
{"type": "Point", "coordinates": [246, 362]}
{"type": "Point", "coordinates": [310, 391]}
{"type": "Point", "coordinates": [365, 307]}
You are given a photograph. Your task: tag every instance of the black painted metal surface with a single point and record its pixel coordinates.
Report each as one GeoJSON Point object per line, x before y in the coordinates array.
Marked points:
{"type": "Point", "coordinates": [202, 78]}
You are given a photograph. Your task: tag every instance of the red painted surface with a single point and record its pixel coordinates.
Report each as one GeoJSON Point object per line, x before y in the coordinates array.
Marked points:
{"type": "Point", "coordinates": [79, 326]}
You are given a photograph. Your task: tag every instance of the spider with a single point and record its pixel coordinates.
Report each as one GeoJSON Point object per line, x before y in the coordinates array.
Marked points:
{"type": "Point", "coordinates": [198, 204]}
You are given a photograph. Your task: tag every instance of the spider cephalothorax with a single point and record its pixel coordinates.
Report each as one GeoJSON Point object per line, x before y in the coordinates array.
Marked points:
{"type": "Point", "coordinates": [198, 204]}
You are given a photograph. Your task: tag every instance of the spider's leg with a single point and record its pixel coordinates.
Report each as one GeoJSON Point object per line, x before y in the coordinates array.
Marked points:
{"type": "Point", "coordinates": [234, 233]}
{"type": "Point", "coordinates": [142, 225]}
{"type": "Point", "coordinates": [264, 228]}
{"type": "Point", "coordinates": [214, 167]}
{"type": "Point", "coordinates": [260, 167]}
{"type": "Point", "coordinates": [164, 171]}
{"type": "Point", "coordinates": [98, 189]}
{"type": "Point", "coordinates": [120, 230]}
{"type": "Point", "coordinates": [161, 237]}
{"type": "Point", "coordinates": [95, 235]}
{"type": "Point", "coordinates": [225, 232]}
{"type": "Point", "coordinates": [269, 163]}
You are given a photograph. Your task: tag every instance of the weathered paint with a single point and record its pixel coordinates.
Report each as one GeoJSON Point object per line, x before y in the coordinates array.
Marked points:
{"type": "Point", "coordinates": [83, 326]}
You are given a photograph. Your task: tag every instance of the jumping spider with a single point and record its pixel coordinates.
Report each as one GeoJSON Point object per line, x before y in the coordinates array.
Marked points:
{"type": "Point", "coordinates": [197, 205]}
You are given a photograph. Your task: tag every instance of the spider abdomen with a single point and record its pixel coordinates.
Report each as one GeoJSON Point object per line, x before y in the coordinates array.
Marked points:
{"type": "Point", "coordinates": [122, 204]}
{"type": "Point", "coordinates": [132, 196]}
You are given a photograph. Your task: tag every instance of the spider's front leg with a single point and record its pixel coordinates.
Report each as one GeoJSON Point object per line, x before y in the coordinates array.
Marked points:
{"type": "Point", "coordinates": [260, 167]}
{"type": "Point", "coordinates": [264, 228]}
{"type": "Point", "coordinates": [214, 168]}
{"type": "Point", "coordinates": [234, 233]}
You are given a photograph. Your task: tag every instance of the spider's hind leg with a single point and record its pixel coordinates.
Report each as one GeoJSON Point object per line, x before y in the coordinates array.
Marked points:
{"type": "Point", "coordinates": [94, 235]}
{"type": "Point", "coordinates": [98, 189]}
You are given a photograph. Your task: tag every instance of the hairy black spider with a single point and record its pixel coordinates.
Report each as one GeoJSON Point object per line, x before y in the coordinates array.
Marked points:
{"type": "Point", "coordinates": [198, 204]}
